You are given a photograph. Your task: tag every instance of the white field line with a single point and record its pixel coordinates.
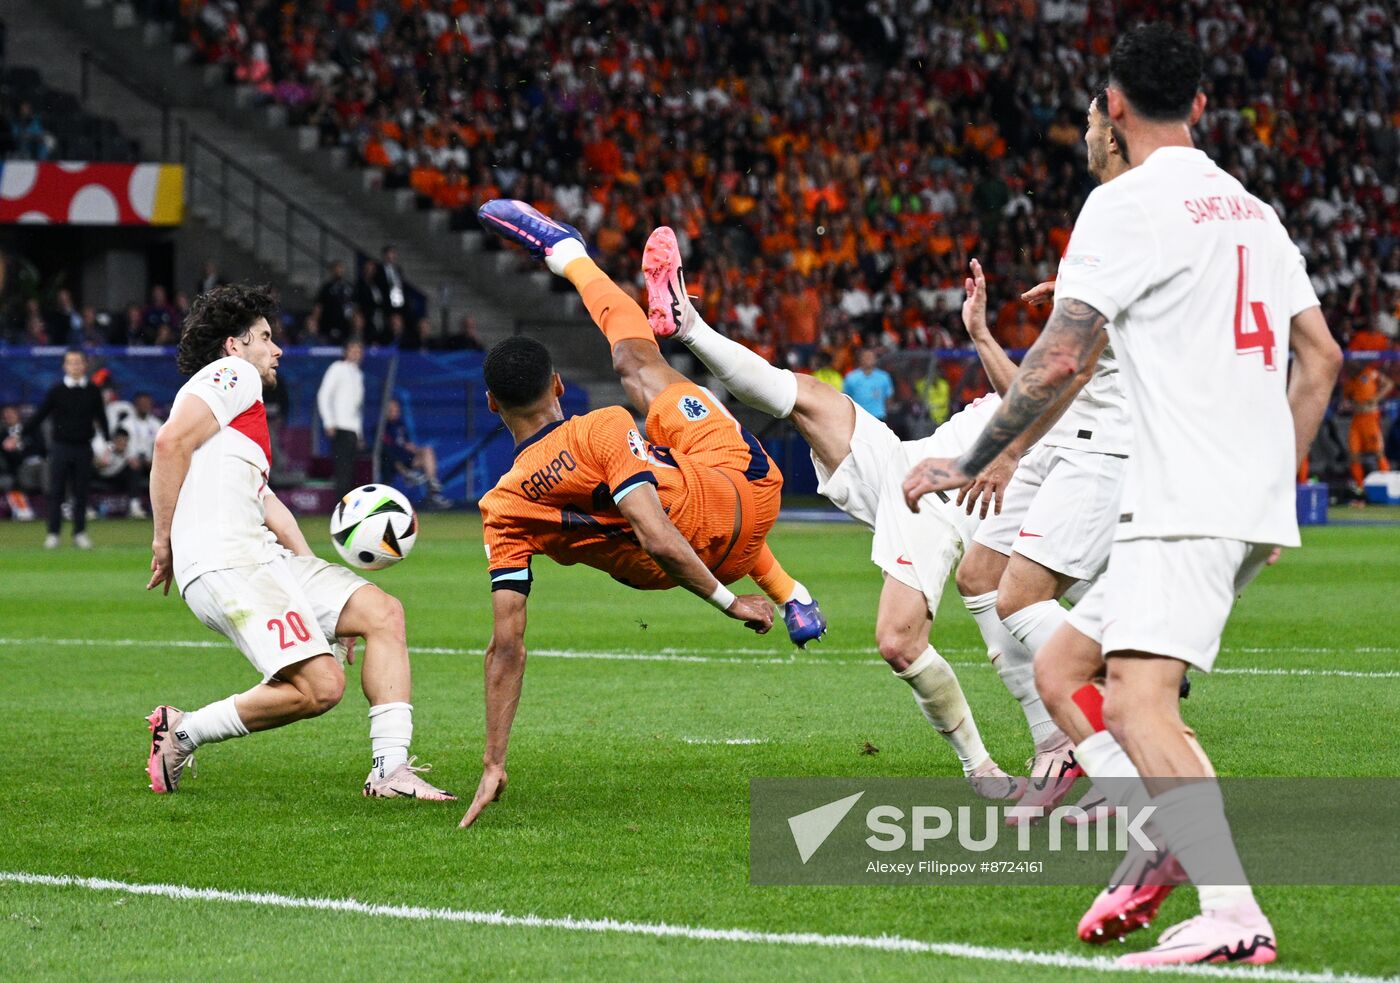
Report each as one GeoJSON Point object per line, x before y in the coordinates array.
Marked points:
{"type": "Point", "coordinates": [754, 656]}
{"type": "Point", "coordinates": [662, 930]}
{"type": "Point", "coordinates": [725, 740]}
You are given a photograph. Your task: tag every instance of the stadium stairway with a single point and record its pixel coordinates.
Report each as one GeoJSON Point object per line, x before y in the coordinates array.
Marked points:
{"type": "Point", "coordinates": [452, 269]}
{"type": "Point", "coordinates": [39, 44]}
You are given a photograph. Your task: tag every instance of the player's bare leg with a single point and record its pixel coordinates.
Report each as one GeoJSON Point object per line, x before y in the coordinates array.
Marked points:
{"type": "Point", "coordinates": [387, 681]}
{"type": "Point", "coordinates": [902, 626]}
{"type": "Point", "coordinates": [299, 691]}
{"type": "Point", "coordinates": [1063, 667]}
{"type": "Point", "coordinates": [1051, 768]}
{"type": "Point", "coordinates": [1142, 712]}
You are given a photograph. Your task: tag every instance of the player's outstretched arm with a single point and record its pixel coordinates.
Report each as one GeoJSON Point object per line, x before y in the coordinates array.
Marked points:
{"type": "Point", "coordinates": [1316, 361]}
{"type": "Point", "coordinates": [673, 553]}
{"type": "Point", "coordinates": [1000, 369]}
{"type": "Point", "coordinates": [278, 518]}
{"type": "Point", "coordinates": [189, 426]}
{"type": "Point", "coordinates": [1068, 346]}
{"type": "Point", "coordinates": [504, 672]}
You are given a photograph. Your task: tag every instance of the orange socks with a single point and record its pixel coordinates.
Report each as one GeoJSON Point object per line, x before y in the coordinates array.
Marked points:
{"type": "Point", "coordinates": [771, 578]}
{"type": "Point", "coordinates": [617, 315]}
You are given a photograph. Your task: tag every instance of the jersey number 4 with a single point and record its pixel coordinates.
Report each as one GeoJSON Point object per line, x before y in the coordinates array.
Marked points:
{"type": "Point", "coordinates": [295, 623]}
{"type": "Point", "coordinates": [1261, 338]}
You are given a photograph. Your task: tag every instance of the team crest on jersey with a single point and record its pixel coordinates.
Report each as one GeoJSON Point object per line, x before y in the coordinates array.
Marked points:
{"type": "Point", "coordinates": [693, 408]}
{"type": "Point", "coordinates": [225, 378]}
{"type": "Point", "coordinates": [636, 445]}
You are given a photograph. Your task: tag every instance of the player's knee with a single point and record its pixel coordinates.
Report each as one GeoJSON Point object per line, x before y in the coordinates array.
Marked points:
{"type": "Point", "coordinates": [628, 359]}
{"type": "Point", "coordinates": [325, 695]}
{"type": "Point", "coordinates": [975, 576]}
{"type": "Point", "coordinates": [1051, 682]}
{"type": "Point", "coordinates": [898, 648]}
{"type": "Point", "coordinates": [385, 617]}
{"type": "Point", "coordinates": [1008, 603]}
{"type": "Point", "coordinates": [1118, 716]}
{"type": "Point", "coordinates": [320, 689]}
{"type": "Point", "coordinates": [969, 583]}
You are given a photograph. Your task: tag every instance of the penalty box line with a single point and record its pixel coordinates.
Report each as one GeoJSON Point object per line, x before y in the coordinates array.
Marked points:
{"type": "Point", "coordinates": [754, 656]}
{"type": "Point", "coordinates": [663, 930]}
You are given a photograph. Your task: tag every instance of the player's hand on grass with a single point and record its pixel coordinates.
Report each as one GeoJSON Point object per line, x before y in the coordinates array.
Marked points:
{"type": "Point", "coordinates": [989, 487]}
{"type": "Point", "coordinates": [491, 788]}
{"type": "Point", "coordinates": [162, 567]}
{"type": "Point", "coordinates": [974, 309]}
{"type": "Point", "coordinates": [1041, 293]}
{"type": "Point", "coordinates": [754, 611]}
{"type": "Point", "coordinates": [930, 475]}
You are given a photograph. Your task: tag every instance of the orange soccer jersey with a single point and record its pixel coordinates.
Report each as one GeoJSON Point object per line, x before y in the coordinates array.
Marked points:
{"type": "Point", "coordinates": [717, 484]}
{"type": "Point", "coordinates": [1365, 436]}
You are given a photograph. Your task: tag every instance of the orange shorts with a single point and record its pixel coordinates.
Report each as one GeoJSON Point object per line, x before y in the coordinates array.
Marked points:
{"type": "Point", "coordinates": [1365, 436]}
{"type": "Point", "coordinates": [735, 487]}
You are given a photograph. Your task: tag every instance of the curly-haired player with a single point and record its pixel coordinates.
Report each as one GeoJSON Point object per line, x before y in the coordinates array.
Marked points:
{"type": "Point", "coordinates": [242, 565]}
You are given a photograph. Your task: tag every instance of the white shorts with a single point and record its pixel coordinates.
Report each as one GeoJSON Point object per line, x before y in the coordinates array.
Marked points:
{"type": "Point", "coordinates": [1168, 597]}
{"type": "Point", "coordinates": [918, 549]}
{"type": "Point", "coordinates": [1060, 510]}
{"type": "Point", "coordinates": [854, 487]}
{"type": "Point", "coordinates": [276, 613]}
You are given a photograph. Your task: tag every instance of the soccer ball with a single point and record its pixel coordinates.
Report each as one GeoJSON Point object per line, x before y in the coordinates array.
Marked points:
{"type": "Point", "coordinates": [373, 527]}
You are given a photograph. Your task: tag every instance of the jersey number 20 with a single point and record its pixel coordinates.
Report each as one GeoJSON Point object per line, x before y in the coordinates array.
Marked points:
{"type": "Point", "coordinates": [1261, 339]}
{"type": "Point", "coordinates": [294, 622]}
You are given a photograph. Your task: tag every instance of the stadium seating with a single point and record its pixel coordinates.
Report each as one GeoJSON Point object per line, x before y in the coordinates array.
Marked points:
{"type": "Point", "coordinates": [69, 133]}
{"type": "Point", "coordinates": [946, 152]}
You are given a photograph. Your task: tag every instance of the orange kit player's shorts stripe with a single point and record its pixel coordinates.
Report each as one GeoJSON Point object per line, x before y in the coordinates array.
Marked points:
{"type": "Point", "coordinates": [737, 491]}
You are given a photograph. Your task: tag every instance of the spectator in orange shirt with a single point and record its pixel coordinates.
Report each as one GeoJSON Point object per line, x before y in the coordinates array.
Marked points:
{"type": "Point", "coordinates": [1020, 333]}
{"type": "Point", "coordinates": [1363, 392]}
{"type": "Point", "coordinates": [799, 310]}
{"type": "Point", "coordinates": [1369, 339]}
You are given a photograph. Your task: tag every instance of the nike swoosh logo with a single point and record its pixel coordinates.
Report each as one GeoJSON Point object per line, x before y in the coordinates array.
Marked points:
{"type": "Point", "coordinates": [901, 560]}
{"type": "Point", "coordinates": [675, 304]}
{"type": "Point", "coordinates": [1031, 535]}
{"type": "Point", "coordinates": [407, 795]}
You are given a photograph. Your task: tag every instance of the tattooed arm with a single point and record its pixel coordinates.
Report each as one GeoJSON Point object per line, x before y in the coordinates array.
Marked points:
{"type": "Point", "coordinates": [1070, 343]}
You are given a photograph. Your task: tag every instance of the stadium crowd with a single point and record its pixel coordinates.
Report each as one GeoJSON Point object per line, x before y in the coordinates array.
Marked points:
{"type": "Point", "coordinates": [832, 168]}
{"type": "Point", "coordinates": [370, 308]}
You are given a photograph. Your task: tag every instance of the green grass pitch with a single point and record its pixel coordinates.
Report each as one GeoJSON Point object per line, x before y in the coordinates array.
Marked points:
{"type": "Point", "coordinates": [617, 808]}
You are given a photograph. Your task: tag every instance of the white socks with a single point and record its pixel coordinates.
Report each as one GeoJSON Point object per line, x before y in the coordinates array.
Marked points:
{"type": "Point", "coordinates": [390, 734]}
{"type": "Point", "coordinates": [1113, 772]}
{"type": "Point", "coordinates": [939, 696]}
{"type": "Point", "coordinates": [563, 253]}
{"type": "Point", "coordinates": [1013, 663]}
{"type": "Point", "coordinates": [745, 374]}
{"type": "Point", "coordinates": [800, 593]}
{"type": "Point", "coordinates": [1034, 625]}
{"type": "Point", "coordinates": [209, 725]}
{"type": "Point", "coordinates": [1191, 819]}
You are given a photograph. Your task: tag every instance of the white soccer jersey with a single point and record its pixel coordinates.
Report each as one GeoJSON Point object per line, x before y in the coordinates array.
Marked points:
{"type": "Point", "coordinates": [952, 439]}
{"type": "Point", "coordinates": [1199, 282]}
{"type": "Point", "coordinates": [219, 521]}
{"type": "Point", "coordinates": [1097, 419]}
